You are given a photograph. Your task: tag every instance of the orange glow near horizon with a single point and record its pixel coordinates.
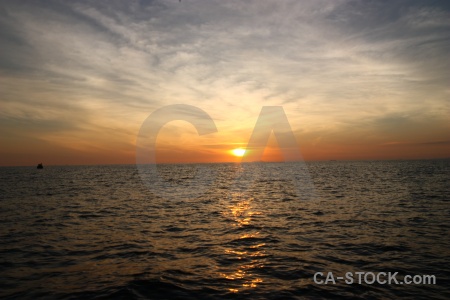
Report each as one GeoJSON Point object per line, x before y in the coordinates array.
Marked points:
{"type": "Point", "coordinates": [184, 145]}
{"type": "Point", "coordinates": [179, 142]}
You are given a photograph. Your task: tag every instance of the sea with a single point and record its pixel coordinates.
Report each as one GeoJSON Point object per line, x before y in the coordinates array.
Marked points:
{"type": "Point", "coordinates": [249, 231]}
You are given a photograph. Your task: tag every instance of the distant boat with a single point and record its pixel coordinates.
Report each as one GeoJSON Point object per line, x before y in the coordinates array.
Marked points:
{"type": "Point", "coordinates": [40, 166]}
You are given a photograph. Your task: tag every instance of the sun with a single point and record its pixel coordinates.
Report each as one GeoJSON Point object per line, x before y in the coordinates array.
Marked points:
{"type": "Point", "coordinates": [238, 152]}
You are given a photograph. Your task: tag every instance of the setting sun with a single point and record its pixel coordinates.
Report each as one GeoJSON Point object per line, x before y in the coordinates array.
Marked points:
{"type": "Point", "coordinates": [238, 152]}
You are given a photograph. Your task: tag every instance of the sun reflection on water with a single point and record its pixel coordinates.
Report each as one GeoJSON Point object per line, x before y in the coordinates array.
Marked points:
{"type": "Point", "coordinates": [246, 248]}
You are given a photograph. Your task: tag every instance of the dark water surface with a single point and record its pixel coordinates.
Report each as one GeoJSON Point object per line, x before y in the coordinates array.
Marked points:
{"type": "Point", "coordinates": [99, 232]}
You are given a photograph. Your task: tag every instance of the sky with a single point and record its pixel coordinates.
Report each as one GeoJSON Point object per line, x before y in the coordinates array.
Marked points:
{"type": "Point", "coordinates": [356, 79]}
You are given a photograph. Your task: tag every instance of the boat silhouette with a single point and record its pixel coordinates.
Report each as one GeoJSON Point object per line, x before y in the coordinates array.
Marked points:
{"type": "Point", "coordinates": [40, 166]}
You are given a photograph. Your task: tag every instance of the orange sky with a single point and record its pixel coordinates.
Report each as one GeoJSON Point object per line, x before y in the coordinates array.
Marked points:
{"type": "Point", "coordinates": [189, 147]}
{"type": "Point", "coordinates": [78, 80]}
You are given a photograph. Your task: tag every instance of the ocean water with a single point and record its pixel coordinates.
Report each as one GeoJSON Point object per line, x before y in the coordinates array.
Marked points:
{"type": "Point", "coordinates": [69, 232]}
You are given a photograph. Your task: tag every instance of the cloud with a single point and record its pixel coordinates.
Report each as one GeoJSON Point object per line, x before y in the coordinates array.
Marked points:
{"type": "Point", "coordinates": [332, 64]}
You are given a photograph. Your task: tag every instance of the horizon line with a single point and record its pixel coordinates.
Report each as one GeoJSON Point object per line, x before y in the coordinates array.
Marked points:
{"type": "Point", "coordinates": [231, 162]}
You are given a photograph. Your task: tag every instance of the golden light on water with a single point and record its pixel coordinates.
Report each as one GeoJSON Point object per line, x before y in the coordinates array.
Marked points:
{"type": "Point", "coordinates": [251, 253]}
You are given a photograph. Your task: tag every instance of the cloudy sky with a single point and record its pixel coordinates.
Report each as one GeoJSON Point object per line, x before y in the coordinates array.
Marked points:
{"type": "Point", "coordinates": [357, 79]}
